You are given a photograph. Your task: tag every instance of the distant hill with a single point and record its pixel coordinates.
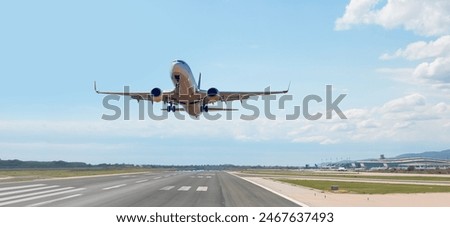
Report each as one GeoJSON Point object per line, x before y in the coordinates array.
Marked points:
{"type": "Point", "coordinates": [445, 154]}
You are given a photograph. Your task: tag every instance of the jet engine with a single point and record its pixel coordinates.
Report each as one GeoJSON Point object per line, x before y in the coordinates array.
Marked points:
{"type": "Point", "coordinates": [213, 94]}
{"type": "Point", "coordinates": [156, 94]}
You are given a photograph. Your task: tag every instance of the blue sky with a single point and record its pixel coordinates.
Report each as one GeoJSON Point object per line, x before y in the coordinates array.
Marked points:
{"type": "Point", "coordinates": [389, 57]}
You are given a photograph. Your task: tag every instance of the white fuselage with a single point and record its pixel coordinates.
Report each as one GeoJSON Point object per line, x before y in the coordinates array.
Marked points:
{"type": "Point", "coordinates": [185, 87]}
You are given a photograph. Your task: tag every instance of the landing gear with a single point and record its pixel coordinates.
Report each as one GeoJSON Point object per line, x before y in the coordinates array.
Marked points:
{"type": "Point", "coordinates": [171, 107]}
{"type": "Point", "coordinates": [204, 108]}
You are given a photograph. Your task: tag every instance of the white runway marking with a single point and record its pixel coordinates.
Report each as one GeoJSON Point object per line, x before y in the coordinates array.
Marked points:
{"type": "Point", "coordinates": [20, 187]}
{"type": "Point", "coordinates": [202, 189]}
{"type": "Point", "coordinates": [41, 196]}
{"type": "Point", "coordinates": [200, 176]}
{"type": "Point", "coordinates": [156, 178]}
{"type": "Point", "coordinates": [184, 188]}
{"type": "Point", "coordinates": [167, 188]}
{"type": "Point", "coordinates": [208, 177]}
{"type": "Point", "coordinates": [27, 190]}
{"type": "Point", "coordinates": [141, 181]}
{"type": "Point", "coordinates": [115, 186]}
{"type": "Point", "coordinates": [33, 194]}
{"type": "Point", "coordinates": [55, 200]}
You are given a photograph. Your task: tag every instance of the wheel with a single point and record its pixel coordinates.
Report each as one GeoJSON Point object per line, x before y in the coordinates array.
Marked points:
{"type": "Point", "coordinates": [174, 109]}
{"type": "Point", "coordinates": [169, 108]}
{"type": "Point", "coordinates": [206, 109]}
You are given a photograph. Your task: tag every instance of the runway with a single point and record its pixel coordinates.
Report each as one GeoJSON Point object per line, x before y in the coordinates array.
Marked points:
{"type": "Point", "coordinates": [165, 189]}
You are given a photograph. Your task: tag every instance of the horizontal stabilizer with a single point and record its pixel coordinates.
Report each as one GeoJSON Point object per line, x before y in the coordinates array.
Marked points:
{"type": "Point", "coordinates": [220, 109]}
{"type": "Point", "coordinates": [176, 109]}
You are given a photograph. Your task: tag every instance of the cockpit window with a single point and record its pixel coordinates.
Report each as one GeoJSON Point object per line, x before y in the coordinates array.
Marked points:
{"type": "Point", "coordinates": [180, 61]}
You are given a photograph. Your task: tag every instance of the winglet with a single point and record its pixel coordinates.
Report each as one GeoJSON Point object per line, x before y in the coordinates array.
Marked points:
{"type": "Point", "coordinates": [199, 80]}
{"type": "Point", "coordinates": [289, 86]}
{"type": "Point", "coordinates": [95, 87]}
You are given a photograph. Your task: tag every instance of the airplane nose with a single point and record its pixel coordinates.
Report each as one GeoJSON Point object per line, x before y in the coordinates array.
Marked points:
{"type": "Point", "coordinates": [177, 61]}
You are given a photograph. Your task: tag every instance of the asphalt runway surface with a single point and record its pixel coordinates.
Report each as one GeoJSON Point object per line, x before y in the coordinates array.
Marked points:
{"type": "Point", "coordinates": [164, 189]}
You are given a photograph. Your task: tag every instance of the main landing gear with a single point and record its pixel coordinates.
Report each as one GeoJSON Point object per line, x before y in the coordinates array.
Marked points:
{"type": "Point", "coordinates": [204, 108]}
{"type": "Point", "coordinates": [171, 107]}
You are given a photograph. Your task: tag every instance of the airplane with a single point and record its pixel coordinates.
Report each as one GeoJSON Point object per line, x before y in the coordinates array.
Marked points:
{"type": "Point", "coordinates": [188, 94]}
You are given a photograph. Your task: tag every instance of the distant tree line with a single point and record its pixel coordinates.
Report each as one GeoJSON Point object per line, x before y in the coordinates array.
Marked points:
{"type": "Point", "coordinates": [18, 164]}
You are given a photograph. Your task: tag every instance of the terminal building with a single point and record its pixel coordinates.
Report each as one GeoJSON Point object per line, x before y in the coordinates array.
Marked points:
{"type": "Point", "coordinates": [417, 163]}
{"type": "Point", "coordinates": [403, 163]}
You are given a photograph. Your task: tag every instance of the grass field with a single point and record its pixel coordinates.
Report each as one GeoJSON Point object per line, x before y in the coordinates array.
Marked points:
{"type": "Point", "coordinates": [23, 175]}
{"type": "Point", "coordinates": [350, 175]}
{"type": "Point", "coordinates": [367, 188]}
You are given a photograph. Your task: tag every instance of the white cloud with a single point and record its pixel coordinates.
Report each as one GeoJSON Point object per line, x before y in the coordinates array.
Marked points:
{"type": "Point", "coordinates": [421, 50]}
{"type": "Point", "coordinates": [429, 17]}
{"type": "Point", "coordinates": [356, 12]}
{"type": "Point", "coordinates": [315, 139]}
{"type": "Point", "coordinates": [402, 104]}
{"type": "Point", "coordinates": [437, 70]}
{"type": "Point", "coordinates": [434, 71]}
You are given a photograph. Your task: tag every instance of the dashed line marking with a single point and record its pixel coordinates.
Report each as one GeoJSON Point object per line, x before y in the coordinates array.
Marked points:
{"type": "Point", "coordinates": [156, 178]}
{"type": "Point", "coordinates": [115, 186]}
{"type": "Point", "coordinates": [141, 181]}
{"type": "Point", "coordinates": [167, 188]}
{"type": "Point", "coordinates": [184, 188]}
{"type": "Point", "coordinates": [202, 189]}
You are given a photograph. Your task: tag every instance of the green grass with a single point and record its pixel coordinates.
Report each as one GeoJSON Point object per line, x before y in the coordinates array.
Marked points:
{"type": "Point", "coordinates": [367, 188]}
{"type": "Point", "coordinates": [23, 175]}
{"type": "Point", "coordinates": [349, 175]}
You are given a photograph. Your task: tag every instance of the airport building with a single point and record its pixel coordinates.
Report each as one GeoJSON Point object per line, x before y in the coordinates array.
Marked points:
{"type": "Point", "coordinates": [417, 163]}
{"type": "Point", "coordinates": [403, 163]}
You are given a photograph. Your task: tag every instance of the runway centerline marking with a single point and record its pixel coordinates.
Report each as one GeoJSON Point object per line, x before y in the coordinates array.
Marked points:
{"type": "Point", "coordinates": [21, 187]}
{"type": "Point", "coordinates": [55, 200]}
{"type": "Point", "coordinates": [141, 181]}
{"type": "Point", "coordinates": [184, 188]}
{"type": "Point", "coordinates": [156, 178]}
{"type": "Point", "coordinates": [202, 189]}
{"type": "Point", "coordinates": [115, 186]}
{"type": "Point", "coordinates": [167, 188]}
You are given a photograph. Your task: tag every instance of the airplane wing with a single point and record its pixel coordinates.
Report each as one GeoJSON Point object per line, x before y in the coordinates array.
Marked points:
{"type": "Point", "coordinates": [165, 96]}
{"type": "Point", "coordinates": [241, 95]}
